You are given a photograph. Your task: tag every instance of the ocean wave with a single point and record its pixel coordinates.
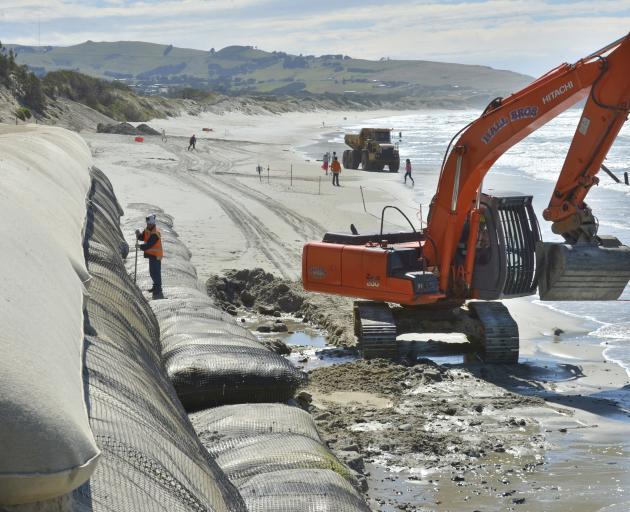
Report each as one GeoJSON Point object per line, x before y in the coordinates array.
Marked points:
{"type": "Point", "coordinates": [617, 331]}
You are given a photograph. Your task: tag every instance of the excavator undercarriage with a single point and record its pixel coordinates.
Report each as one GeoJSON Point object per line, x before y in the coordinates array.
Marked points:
{"type": "Point", "coordinates": [488, 326]}
{"type": "Point", "coordinates": [510, 261]}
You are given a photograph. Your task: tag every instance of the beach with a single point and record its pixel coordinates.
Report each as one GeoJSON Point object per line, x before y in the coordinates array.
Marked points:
{"type": "Point", "coordinates": [570, 453]}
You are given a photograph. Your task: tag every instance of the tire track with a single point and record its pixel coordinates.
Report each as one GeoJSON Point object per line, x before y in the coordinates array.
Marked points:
{"type": "Point", "coordinates": [257, 235]}
{"type": "Point", "coordinates": [302, 225]}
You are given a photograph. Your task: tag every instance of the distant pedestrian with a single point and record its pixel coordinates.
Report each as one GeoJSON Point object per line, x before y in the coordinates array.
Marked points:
{"type": "Point", "coordinates": [192, 142]}
{"type": "Point", "coordinates": [408, 172]}
{"type": "Point", "coordinates": [399, 135]}
{"type": "Point", "coordinates": [325, 162]}
{"type": "Point", "coordinates": [163, 135]}
{"type": "Point", "coordinates": [335, 167]}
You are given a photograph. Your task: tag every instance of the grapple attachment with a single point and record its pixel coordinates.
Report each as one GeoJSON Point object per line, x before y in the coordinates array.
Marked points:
{"type": "Point", "coordinates": [584, 271]}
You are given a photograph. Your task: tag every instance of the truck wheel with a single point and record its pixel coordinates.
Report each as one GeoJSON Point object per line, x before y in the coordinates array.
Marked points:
{"type": "Point", "coordinates": [365, 161]}
{"type": "Point", "coordinates": [393, 167]}
{"type": "Point", "coordinates": [347, 156]}
{"type": "Point", "coordinates": [356, 158]}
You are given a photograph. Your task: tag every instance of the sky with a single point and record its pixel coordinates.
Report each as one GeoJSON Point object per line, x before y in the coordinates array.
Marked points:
{"type": "Point", "coordinates": [527, 36]}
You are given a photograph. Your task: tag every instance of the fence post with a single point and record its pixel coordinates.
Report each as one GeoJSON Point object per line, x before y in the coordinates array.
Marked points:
{"type": "Point", "coordinates": [363, 199]}
{"type": "Point", "coordinates": [291, 175]}
{"type": "Point", "coordinates": [625, 178]}
{"type": "Point", "coordinates": [268, 175]}
{"type": "Point", "coordinates": [319, 192]}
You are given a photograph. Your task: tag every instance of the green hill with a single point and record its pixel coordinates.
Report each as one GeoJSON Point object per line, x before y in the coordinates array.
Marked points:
{"type": "Point", "coordinates": [155, 68]}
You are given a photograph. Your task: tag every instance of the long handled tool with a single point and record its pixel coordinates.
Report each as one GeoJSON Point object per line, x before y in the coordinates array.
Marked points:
{"type": "Point", "coordinates": [135, 266]}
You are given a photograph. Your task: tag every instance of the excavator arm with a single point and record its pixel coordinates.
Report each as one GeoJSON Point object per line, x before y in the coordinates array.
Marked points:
{"type": "Point", "coordinates": [603, 78]}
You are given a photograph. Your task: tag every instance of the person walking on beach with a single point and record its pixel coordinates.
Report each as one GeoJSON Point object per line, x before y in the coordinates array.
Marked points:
{"type": "Point", "coordinates": [152, 248]}
{"type": "Point", "coordinates": [192, 142]}
{"type": "Point", "coordinates": [325, 162]}
{"type": "Point", "coordinates": [336, 169]}
{"type": "Point", "coordinates": [163, 135]}
{"type": "Point", "coordinates": [408, 172]}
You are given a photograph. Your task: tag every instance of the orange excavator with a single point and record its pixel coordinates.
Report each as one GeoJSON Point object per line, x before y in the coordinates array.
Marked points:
{"type": "Point", "coordinates": [478, 248]}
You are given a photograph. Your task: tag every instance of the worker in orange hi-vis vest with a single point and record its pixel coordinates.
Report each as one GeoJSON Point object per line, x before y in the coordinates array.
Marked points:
{"type": "Point", "coordinates": [335, 167]}
{"type": "Point", "coordinates": [152, 248]}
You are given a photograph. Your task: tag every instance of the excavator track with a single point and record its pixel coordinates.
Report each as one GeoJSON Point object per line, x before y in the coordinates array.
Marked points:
{"type": "Point", "coordinates": [500, 332]}
{"type": "Point", "coordinates": [375, 328]}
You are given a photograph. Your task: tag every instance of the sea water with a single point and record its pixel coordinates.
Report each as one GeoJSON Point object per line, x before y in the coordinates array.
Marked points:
{"type": "Point", "coordinates": [530, 167]}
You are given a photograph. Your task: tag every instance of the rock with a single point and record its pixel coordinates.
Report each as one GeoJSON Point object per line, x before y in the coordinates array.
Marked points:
{"type": "Point", "coordinates": [303, 396]}
{"type": "Point", "coordinates": [518, 501]}
{"type": "Point", "coordinates": [458, 478]}
{"type": "Point", "coordinates": [432, 375]}
{"type": "Point", "coordinates": [290, 302]}
{"type": "Point", "coordinates": [405, 427]}
{"type": "Point", "coordinates": [120, 129]}
{"type": "Point", "coordinates": [277, 346]}
{"type": "Point", "coordinates": [352, 459]}
{"type": "Point", "coordinates": [322, 416]}
{"type": "Point", "coordinates": [232, 310]}
{"type": "Point", "coordinates": [247, 299]}
{"type": "Point", "coordinates": [266, 327]}
{"type": "Point", "coordinates": [349, 448]}
{"type": "Point", "coordinates": [279, 327]}
{"type": "Point", "coordinates": [263, 309]}
{"type": "Point", "coordinates": [282, 288]}
{"type": "Point", "coordinates": [557, 331]}
{"type": "Point", "coordinates": [145, 129]}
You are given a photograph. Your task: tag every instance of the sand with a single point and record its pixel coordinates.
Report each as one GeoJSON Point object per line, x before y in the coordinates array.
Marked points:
{"type": "Point", "coordinates": [232, 218]}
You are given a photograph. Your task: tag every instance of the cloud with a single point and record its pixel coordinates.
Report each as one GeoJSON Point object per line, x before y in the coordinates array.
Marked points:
{"type": "Point", "coordinates": [53, 10]}
{"type": "Point", "coordinates": [527, 36]}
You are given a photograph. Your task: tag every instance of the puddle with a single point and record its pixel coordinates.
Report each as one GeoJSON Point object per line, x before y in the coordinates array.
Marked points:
{"type": "Point", "coordinates": [306, 338]}
{"type": "Point", "coordinates": [309, 346]}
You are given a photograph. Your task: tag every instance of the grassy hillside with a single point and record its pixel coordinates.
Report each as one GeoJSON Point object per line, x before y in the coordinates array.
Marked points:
{"type": "Point", "coordinates": [112, 99]}
{"type": "Point", "coordinates": [243, 69]}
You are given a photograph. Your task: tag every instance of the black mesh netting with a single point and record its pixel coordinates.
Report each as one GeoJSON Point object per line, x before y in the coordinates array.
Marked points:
{"type": "Point", "coordinates": [274, 455]}
{"type": "Point", "coordinates": [152, 459]}
{"type": "Point", "coordinates": [210, 359]}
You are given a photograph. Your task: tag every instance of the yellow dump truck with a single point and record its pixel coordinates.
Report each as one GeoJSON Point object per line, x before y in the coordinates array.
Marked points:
{"type": "Point", "coordinates": [372, 148]}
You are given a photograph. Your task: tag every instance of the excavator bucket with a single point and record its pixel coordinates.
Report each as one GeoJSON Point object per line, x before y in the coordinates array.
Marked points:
{"type": "Point", "coordinates": [582, 271]}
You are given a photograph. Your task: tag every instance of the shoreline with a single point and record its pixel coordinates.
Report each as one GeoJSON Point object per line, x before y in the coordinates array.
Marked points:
{"type": "Point", "coordinates": [232, 218]}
